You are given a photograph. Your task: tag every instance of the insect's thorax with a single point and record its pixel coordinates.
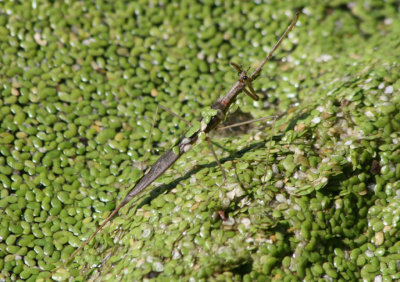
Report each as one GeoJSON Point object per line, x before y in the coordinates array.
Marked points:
{"type": "Point", "coordinates": [227, 100]}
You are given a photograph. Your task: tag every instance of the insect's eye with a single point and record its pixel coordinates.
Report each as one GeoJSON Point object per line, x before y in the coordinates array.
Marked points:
{"type": "Point", "coordinates": [245, 77]}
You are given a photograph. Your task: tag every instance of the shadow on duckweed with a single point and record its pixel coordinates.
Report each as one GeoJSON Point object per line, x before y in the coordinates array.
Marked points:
{"type": "Point", "coordinates": [167, 187]}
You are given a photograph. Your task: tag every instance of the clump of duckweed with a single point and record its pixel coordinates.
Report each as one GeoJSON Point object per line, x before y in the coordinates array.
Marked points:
{"type": "Point", "coordinates": [80, 83]}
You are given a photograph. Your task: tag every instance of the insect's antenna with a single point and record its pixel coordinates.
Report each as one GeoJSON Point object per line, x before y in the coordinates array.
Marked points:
{"type": "Point", "coordinates": [290, 27]}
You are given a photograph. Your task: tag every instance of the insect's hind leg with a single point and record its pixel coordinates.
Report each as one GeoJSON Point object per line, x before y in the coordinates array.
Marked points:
{"type": "Point", "coordinates": [270, 139]}
{"type": "Point", "coordinates": [269, 152]}
{"type": "Point", "coordinates": [241, 124]}
{"type": "Point", "coordinates": [216, 158]}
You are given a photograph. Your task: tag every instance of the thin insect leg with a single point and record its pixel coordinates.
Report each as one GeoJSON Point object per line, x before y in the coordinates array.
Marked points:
{"type": "Point", "coordinates": [213, 194]}
{"type": "Point", "coordinates": [216, 158]}
{"type": "Point", "coordinates": [252, 89]}
{"type": "Point", "coordinates": [250, 94]}
{"type": "Point", "coordinates": [175, 115]}
{"type": "Point", "coordinates": [151, 130]}
{"type": "Point", "coordinates": [268, 152]}
{"type": "Point", "coordinates": [246, 122]}
{"type": "Point", "coordinates": [195, 216]}
{"type": "Point", "coordinates": [218, 162]}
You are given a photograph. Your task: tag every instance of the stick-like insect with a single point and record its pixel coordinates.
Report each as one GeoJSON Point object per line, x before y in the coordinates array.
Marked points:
{"type": "Point", "coordinates": [210, 120]}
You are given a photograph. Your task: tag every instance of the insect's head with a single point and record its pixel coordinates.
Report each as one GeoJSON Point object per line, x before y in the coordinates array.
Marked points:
{"type": "Point", "coordinates": [244, 78]}
{"type": "Point", "coordinates": [241, 73]}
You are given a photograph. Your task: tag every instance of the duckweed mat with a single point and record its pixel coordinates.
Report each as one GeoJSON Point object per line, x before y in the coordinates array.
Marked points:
{"type": "Point", "coordinates": [314, 197]}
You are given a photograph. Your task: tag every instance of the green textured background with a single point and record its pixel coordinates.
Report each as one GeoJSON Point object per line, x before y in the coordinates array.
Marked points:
{"type": "Point", "coordinates": [80, 83]}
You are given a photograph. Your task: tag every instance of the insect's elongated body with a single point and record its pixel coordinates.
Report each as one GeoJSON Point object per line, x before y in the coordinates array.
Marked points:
{"type": "Point", "coordinates": [209, 121]}
{"type": "Point", "coordinates": [171, 156]}
{"type": "Point", "coordinates": [183, 145]}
